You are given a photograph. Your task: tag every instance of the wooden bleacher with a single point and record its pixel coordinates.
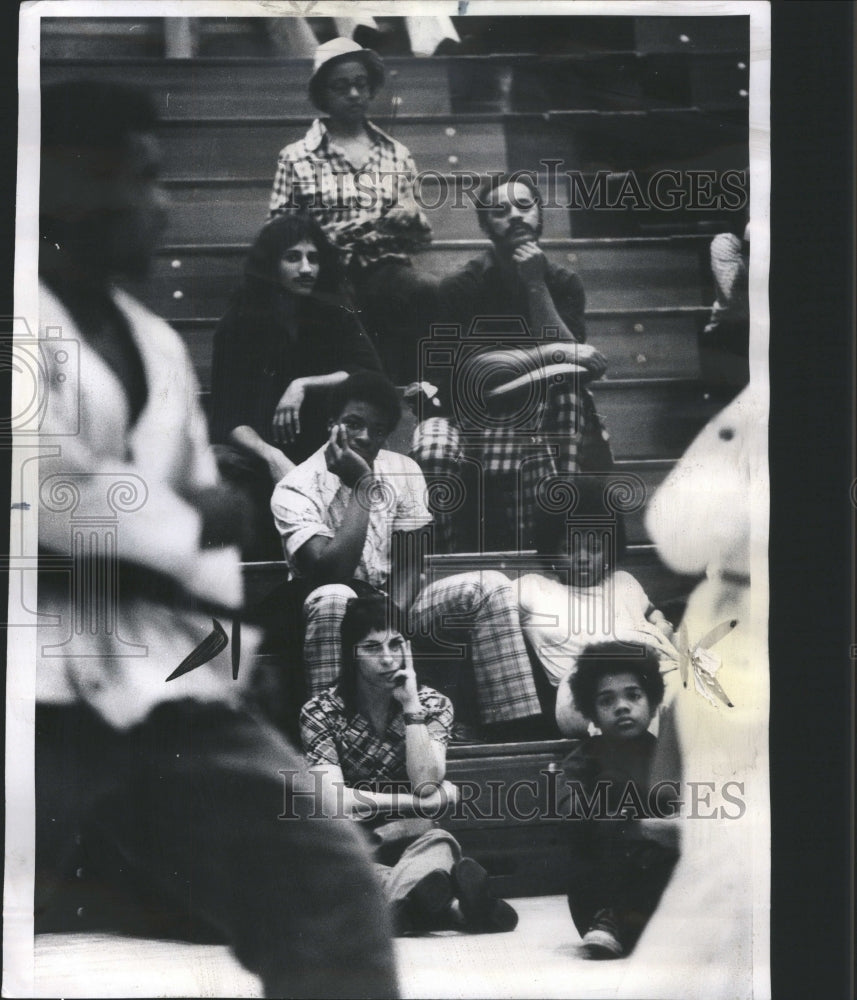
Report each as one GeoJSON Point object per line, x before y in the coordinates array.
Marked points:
{"type": "Point", "coordinates": [513, 835]}
{"type": "Point", "coordinates": [672, 95]}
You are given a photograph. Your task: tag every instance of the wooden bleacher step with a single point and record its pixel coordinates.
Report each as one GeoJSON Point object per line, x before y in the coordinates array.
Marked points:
{"type": "Point", "coordinates": [233, 84]}
{"type": "Point", "coordinates": [506, 818]}
{"type": "Point", "coordinates": [188, 281]}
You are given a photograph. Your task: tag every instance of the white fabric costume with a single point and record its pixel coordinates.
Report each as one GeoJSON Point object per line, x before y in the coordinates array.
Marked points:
{"type": "Point", "coordinates": [114, 486]}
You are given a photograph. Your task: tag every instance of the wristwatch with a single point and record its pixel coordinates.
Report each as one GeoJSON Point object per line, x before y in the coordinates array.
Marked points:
{"type": "Point", "coordinates": [415, 718]}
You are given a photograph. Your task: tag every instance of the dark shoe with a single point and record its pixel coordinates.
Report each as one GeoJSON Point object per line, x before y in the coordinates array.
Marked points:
{"type": "Point", "coordinates": [483, 912]}
{"type": "Point", "coordinates": [602, 938]}
{"type": "Point", "coordinates": [430, 898]}
{"type": "Point", "coordinates": [404, 921]}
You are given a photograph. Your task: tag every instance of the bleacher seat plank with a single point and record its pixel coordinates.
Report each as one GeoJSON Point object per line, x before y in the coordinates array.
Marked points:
{"type": "Point", "coordinates": [616, 274]}
{"type": "Point", "coordinates": [640, 141]}
{"type": "Point", "coordinates": [229, 211]}
{"type": "Point", "coordinates": [80, 41]}
{"type": "Point", "coordinates": [260, 579]}
{"type": "Point", "coordinates": [243, 147]}
{"type": "Point", "coordinates": [648, 345]}
{"type": "Point", "coordinates": [522, 860]}
{"type": "Point", "coordinates": [184, 285]}
{"type": "Point", "coordinates": [236, 86]}
{"type": "Point", "coordinates": [188, 282]}
{"type": "Point", "coordinates": [653, 418]}
{"type": "Point", "coordinates": [619, 273]}
{"type": "Point", "coordinates": [631, 80]}
{"type": "Point", "coordinates": [666, 347]}
{"type": "Point", "coordinates": [247, 148]}
{"type": "Point", "coordinates": [688, 34]}
{"type": "Point", "coordinates": [242, 87]}
{"type": "Point", "coordinates": [217, 211]}
{"type": "Point", "coordinates": [644, 273]}
{"type": "Point", "coordinates": [509, 823]}
{"type": "Point", "coordinates": [720, 79]}
{"type": "Point", "coordinates": [641, 559]}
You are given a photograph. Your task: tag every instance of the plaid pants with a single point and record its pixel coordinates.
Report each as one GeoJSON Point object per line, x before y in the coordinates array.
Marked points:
{"type": "Point", "coordinates": [501, 499]}
{"type": "Point", "coordinates": [476, 609]}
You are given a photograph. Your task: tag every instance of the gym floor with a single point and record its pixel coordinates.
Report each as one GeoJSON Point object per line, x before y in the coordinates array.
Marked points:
{"type": "Point", "coordinates": [541, 958]}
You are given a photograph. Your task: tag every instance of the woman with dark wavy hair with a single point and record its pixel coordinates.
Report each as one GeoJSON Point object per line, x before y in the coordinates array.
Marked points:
{"type": "Point", "coordinates": [287, 338]}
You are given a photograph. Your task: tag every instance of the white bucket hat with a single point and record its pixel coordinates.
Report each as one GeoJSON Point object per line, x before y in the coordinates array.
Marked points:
{"type": "Point", "coordinates": [337, 50]}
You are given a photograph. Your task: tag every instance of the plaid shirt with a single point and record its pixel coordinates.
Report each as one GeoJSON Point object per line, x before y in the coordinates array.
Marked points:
{"type": "Point", "coordinates": [350, 203]}
{"type": "Point", "coordinates": [330, 737]}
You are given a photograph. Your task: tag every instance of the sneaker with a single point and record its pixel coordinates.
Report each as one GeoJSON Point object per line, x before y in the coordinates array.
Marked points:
{"type": "Point", "coordinates": [483, 913]}
{"type": "Point", "coordinates": [602, 938]}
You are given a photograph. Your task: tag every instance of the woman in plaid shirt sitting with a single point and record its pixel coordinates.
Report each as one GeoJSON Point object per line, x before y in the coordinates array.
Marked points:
{"type": "Point", "coordinates": [357, 182]}
{"type": "Point", "coordinates": [380, 740]}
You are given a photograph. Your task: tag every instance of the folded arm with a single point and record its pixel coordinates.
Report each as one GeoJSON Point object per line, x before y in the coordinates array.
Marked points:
{"type": "Point", "coordinates": [425, 758]}
{"type": "Point", "coordinates": [362, 803]}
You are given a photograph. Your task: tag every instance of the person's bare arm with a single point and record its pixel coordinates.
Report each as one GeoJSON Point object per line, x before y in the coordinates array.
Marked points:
{"type": "Point", "coordinates": [334, 559]}
{"type": "Point", "coordinates": [511, 362]}
{"type": "Point", "coordinates": [531, 265]}
{"type": "Point", "coordinates": [286, 424]}
{"type": "Point", "coordinates": [360, 802]}
{"type": "Point", "coordinates": [425, 758]}
{"type": "Point", "coordinates": [247, 439]}
{"type": "Point", "coordinates": [657, 618]}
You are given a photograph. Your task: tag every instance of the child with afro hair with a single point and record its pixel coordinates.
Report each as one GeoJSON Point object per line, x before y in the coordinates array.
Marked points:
{"type": "Point", "coordinates": [617, 870]}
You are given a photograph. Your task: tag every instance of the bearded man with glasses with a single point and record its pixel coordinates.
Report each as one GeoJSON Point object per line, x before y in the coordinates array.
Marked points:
{"type": "Point", "coordinates": [509, 368]}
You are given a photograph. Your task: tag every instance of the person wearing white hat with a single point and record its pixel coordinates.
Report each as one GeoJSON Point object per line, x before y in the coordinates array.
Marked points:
{"type": "Point", "coordinates": [357, 181]}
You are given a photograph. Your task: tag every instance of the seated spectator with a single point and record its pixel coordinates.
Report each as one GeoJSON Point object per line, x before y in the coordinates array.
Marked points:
{"type": "Point", "coordinates": [379, 731]}
{"type": "Point", "coordinates": [353, 519]}
{"type": "Point", "coordinates": [358, 183]}
{"type": "Point", "coordinates": [579, 601]}
{"type": "Point", "coordinates": [512, 400]}
{"type": "Point", "coordinates": [724, 345]}
{"type": "Point", "coordinates": [618, 867]}
{"type": "Point", "coordinates": [285, 340]}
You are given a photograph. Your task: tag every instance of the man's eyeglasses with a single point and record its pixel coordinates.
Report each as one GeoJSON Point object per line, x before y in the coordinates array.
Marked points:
{"type": "Point", "coordinates": [343, 87]}
{"type": "Point", "coordinates": [356, 426]}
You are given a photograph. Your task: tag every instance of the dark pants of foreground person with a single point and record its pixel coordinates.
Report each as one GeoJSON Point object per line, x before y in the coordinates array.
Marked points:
{"type": "Point", "coordinates": [171, 829]}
